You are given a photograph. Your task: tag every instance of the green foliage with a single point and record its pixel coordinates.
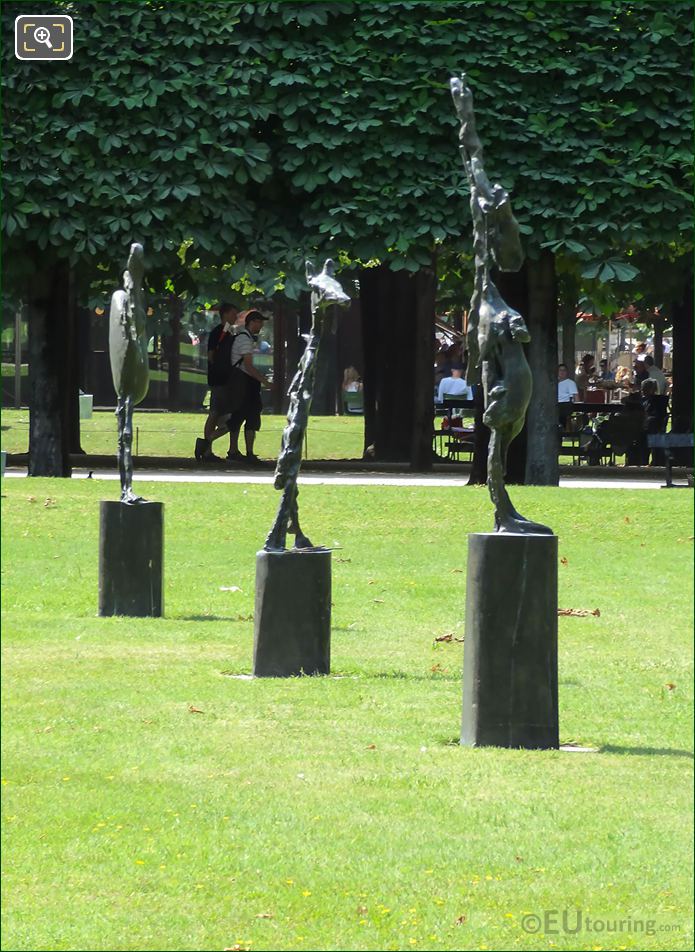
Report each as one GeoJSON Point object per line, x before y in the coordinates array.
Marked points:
{"type": "Point", "coordinates": [266, 131]}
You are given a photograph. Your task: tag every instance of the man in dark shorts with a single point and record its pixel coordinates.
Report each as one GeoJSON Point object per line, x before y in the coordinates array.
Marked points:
{"type": "Point", "coordinates": [250, 411]}
{"type": "Point", "coordinates": [219, 370]}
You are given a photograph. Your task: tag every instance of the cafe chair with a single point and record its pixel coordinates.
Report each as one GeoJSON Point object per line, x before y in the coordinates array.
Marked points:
{"type": "Point", "coordinates": [353, 402]}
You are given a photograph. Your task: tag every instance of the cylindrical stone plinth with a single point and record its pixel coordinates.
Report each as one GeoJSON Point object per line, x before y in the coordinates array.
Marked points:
{"type": "Point", "coordinates": [510, 644]}
{"type": "Point", "coordinates": [293, 613]}
{"type": "Point", "coordinates": [131, 558]}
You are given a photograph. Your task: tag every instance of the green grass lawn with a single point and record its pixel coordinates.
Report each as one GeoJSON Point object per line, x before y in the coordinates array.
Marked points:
{"type": "Point", "coordinates": [174, 434]}
{"type": "Point", "coordinates": [152, 800]}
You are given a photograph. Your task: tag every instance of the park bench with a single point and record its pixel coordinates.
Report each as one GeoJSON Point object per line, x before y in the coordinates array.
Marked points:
{"type": "Point", "coordinates": [667, 442]}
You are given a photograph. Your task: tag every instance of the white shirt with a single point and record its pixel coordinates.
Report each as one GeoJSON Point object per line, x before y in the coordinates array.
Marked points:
{"type": "Point", "coordinates": [456, 387]}
{"type": "Point", "coordinates": [659, 376]}
{"type": "Point", "coordinates": [243, 344]}
{"type": "Point", "coordinates": [566, 391]}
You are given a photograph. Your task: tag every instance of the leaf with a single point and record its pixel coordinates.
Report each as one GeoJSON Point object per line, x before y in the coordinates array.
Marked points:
{"type": "Point", "coordinates": [624, 272]}
{"type": "Point", "coordinates": [195, 710]}
{"type": "Point", "coordinates": [579, 612]}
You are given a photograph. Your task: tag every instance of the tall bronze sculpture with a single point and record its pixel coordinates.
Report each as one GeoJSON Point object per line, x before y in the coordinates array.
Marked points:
{"type": "Point", "coordinates": [496, 332]}
{"type": "Point", "coordinates": [325, 292]}
{"type": "Point", "coordinates": [131, 537]}
{"type": "Point", "coordinates": [129, 362]}
{"type": "Point", "coordinates": [510, 658]}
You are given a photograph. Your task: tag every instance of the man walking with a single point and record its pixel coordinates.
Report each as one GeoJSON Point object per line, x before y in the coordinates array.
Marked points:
{"type": "Point", "coordinates": [249, 413]}
{"type": "Point", "coordinates": [219, 371]}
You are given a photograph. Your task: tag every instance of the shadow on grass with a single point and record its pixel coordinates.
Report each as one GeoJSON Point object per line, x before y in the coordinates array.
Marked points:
{"type": "Point", "coordinates": [213, 617]}
{"type": "Point", "coordinates": [647, 751]}
{"type": "Point", "coordinates": [405, 676]}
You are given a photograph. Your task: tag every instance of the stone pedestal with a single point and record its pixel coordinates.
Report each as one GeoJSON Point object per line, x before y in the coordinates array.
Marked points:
{"type": "Point", "coordinates": [293, 614]}
{"type": "Point", "coordinates": [131, 558]}
{"type": "Point", "coordinates": [510, 645]}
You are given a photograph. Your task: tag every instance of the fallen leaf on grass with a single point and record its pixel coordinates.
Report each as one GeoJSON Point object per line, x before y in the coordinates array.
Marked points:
{"type": "Point", "coordinates": [370, 747]}
{"type": "Point", "coordinates": [579, 612]}
{"type": "Point", "coordinates": [627, 518]}
{"type": "Point", "coordinates": [461, 920]}
{"type": "Point", "coordinates": [31, 498]}
{"type": "Point", "coordinates": [195, 710]}
{"type": "Point", "coordinates": [448, 638]}
{"type": "Point", "coordinates": [362, 910]}
{"type": "Point", "coordinates": [670, 686]}
{"type": "Point", "coordinates": [379, 601]}
{"type": "Point", "coordinates": [343, 560]}
{"type": "Point", "coordinates": [437, 668]}
{"type": "Point", "coordinates": [563, 561]}
{"type": "Point", "coordinates": [264, 915]}
{"type": "Point", "coordinates": [457, 571]}
{"type": "Point", "coordinates": [49, 503]}
{"type": "Point", "coordinates": [229, 588]}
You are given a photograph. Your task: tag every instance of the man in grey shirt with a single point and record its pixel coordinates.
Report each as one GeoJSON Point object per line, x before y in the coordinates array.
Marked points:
{"type": "Point", "coordinates": [655, 373]}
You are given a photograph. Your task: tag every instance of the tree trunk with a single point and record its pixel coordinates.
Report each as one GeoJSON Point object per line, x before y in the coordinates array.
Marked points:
{"type": "Point", "coordinates": [398, 321]}
{"type": "Point", "coordinates": [481, 441]}
{"type": "Point", "coordinates": [279, 353]}
{"type": "Point", "coordinates": [325, 397]}
{"type": "Point", "coordinates": [569, 332]}
{"type": "Point", "coordinates": [173, 351]}
{"type": "Point", "coordinates": [659, 341]}
{"type": "Point", "coordinates": [425, 290]}
{"type": "Point", "coordinates": [513, 286]}
{"type": "Point", "coordinates": [682, 397]}
{"type": "Point", "coordinates": [75, 330]}
{"type": "Point", "coordinates": [541, 454]}
{"type": "Point", "coordinates": [295, 346]}
{"type": "Point", "coordinates": [49, 320]}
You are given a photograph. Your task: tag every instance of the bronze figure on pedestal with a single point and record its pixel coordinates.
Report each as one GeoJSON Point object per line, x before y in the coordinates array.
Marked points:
{"type": "Point", "coordinates": [496, 332]}
{"type": "Point", "coordinates": [325, 292]}
{"type": "Point", "coordinates": [129, 362]}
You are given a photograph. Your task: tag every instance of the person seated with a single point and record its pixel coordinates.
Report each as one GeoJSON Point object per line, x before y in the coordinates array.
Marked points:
{"type": "Point", "coordinates": [454, 386]}
{"type": "Point", "coordinates": [655, 406]}
{"type": "Point", "coordinates": [567, 394]}
{"type": "Point", "coordinates": [603, 372]}
{"type": "Point", "coordinates": [640, 371]}
{"type": "Point", "coordinates": [567, 391]}
{"type": "Point", "coordinates": [585, 373]}
{"type": "Point", "coordinates": [352, 382]}
{"type": "Point", "coordinates": [655, 373]}
{"type": "Point", "coordinates": [623, 378]}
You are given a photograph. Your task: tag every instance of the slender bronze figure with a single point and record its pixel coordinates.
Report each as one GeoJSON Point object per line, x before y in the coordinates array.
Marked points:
{"type": "Point", "coordinates": [325, 292]}
{"type": "Point", "coordinates": [496, 332]}
{"type": "Point", "coordinates": [129, 363]}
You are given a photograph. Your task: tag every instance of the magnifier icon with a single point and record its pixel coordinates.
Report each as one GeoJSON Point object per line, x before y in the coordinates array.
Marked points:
{"type": "Point", "coordinates": [43, 35]}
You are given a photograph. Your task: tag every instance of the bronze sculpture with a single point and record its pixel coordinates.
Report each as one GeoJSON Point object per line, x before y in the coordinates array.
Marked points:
{"type": "Point", "coordinates": [325, 292]}
{"type": "Point", "coordinates": [496, 332]}
{"type": "Point", "coordinates": [129, 362]}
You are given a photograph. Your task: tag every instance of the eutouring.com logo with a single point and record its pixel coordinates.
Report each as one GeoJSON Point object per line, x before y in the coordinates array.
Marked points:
{"type": "Point", "coordinates": [43, 37]}
{"type": "Point", "coordinates": [574, 921]}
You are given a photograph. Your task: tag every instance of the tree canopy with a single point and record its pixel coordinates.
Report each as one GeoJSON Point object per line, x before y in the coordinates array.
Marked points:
{"type": "Point", "coordinates": [254, 133]}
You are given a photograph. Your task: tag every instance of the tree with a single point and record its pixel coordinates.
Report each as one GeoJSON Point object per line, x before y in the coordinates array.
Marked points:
{"type": "Point", "coordinates": [265, 132]}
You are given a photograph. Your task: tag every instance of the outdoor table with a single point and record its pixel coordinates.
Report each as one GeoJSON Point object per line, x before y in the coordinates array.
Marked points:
{"type": "Point", "coordinates": [452, 433]}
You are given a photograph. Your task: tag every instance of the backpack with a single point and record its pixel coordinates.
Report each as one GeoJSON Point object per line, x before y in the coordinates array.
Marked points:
{"type": "Point", "coordinates": [220, 370]}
